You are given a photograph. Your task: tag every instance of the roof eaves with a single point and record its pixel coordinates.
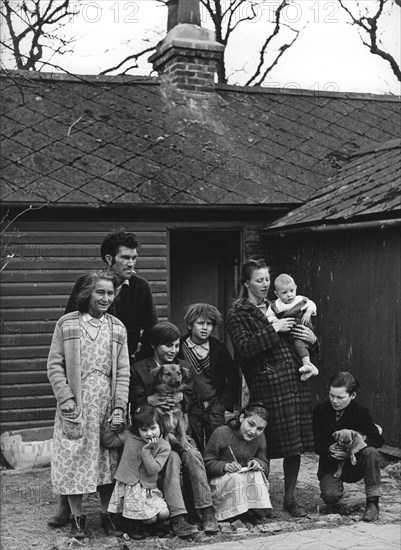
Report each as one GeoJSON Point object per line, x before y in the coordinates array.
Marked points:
{"type": "Point", "coordinates": [373, 222]}
{"type": "Point", "coordinates": [84, 79]}
{"type": "Point", "coordinates": [306, 93]}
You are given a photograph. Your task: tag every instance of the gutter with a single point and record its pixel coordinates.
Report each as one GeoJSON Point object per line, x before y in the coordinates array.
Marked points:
{"type": "Point", "coordinates": [376, 224]}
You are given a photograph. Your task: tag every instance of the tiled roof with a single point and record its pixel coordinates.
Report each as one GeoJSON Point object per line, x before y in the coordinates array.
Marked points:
{"type": "Point", "coordinates": [123, 140]}
{"type": "Point", "coordinates": [367, 187]}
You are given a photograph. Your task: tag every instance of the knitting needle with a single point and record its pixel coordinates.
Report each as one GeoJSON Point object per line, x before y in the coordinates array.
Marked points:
{"type": "Point", "coordinates": [232, 454]}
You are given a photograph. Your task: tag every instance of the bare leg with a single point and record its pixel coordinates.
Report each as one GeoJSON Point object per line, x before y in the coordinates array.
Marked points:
{"type": "Point", "coordinates": [75, 502]}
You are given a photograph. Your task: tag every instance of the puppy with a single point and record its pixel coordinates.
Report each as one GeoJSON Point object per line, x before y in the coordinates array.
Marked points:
{"type": "Point", "coordinates": [170, 381]}
{"type": "Point", "coordinates": [350, 441]}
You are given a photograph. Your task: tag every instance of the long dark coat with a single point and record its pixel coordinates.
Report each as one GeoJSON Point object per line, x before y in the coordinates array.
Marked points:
{"type": "Point", "coordinates": [270, 367]}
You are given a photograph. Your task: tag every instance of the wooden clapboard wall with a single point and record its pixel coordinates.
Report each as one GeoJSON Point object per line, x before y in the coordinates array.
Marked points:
{"type": "Point", "coordinates": [48, 258]}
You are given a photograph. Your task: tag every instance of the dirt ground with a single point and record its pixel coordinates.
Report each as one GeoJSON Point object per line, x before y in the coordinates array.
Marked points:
{"type": "Point", "coordinates": [27, 501]}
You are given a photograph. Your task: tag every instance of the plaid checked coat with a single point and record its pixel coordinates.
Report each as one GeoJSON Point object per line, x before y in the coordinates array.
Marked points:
{"type": "Point", "coordinates": [270, 367]}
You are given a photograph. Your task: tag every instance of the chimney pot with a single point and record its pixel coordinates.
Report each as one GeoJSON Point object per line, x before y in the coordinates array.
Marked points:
{"type": "Point", "coordinates": [188, 44]}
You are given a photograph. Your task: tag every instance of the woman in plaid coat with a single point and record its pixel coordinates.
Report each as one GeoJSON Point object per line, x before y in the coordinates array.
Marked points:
{"type": "Point", "coordinates": [273, 371]}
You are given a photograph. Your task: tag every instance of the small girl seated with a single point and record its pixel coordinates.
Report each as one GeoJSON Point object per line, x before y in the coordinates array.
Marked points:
{"type": "Point", "coordinates": [237, 466]}
{"type": "Point", "coordinates": [145, 453]}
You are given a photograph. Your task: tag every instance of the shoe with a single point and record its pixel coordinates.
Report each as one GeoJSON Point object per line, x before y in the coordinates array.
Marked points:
{"type": "Point", "coordinates": [372, 509]}
{"type": "Point", "coordinates": [209, 521]}
{"type": "Point", "coordinates": [337, 508]}
{"type": "Point", "coordinates": [135, 529]}
{"type": "Point", "coordinates": [62, 516]}
{"type": "Point", "coordinates": [77, 527]}
{"type": "Point", "coordinates": [294, 509]}
{"type": "Point", "coordinates": [261, 516]}
{"type": "Point", "coordinates": [158, 529]}
{"type": "Point", "coordinates": [181, 527]}
{"type": "Point", "coordinates": [109, 525]}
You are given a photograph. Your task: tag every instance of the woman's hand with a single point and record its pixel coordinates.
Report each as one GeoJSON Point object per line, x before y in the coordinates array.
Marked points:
{"type": "Point", "coordinates": [285, 324]}
{"type": "Point", "coordinates": [232, 467]}
{"type": "Point", "coordinates": [68, 406]}
{"type": "Point", "coordinates": [254, 464]}
{"type": "Point", "coordinates": [304, 333]}
{"type": "Point", "coordinates": [117, 419]}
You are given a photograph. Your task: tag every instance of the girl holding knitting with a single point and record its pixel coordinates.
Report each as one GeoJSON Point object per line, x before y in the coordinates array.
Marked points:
{"type": "Point", "coordinates": [237, 466]}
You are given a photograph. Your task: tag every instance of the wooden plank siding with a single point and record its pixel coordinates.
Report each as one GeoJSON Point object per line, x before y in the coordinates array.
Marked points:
{"type": "Point", "coordinates": [355, 280]}
{"type": "Point", "coordinates": [49, 256]}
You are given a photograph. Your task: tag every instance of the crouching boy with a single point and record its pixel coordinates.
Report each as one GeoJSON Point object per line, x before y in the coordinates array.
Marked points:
{"type": "Point", "coordinates": [342, 412]}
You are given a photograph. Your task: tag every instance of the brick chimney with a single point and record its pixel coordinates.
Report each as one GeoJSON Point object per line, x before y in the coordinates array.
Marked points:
{"type": "Point", "coordinates": [187, 57]}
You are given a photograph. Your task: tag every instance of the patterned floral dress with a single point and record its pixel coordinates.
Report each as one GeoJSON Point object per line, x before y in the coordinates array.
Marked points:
{"type": "Point", "coordinates": [80, 465]}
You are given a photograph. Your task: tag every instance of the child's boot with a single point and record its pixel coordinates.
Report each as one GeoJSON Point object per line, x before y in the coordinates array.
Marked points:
{"type": "Point", "coordinates": [109, 525]}
{"type": "Point", "coordinates": [135, 530]}
{"type": "Point", "coordinates": [372, 509]}
{"type": "Point", "coordinates": [209, 521]}
{"type": "Point", "coordinates": [181, 527]}
{"type": "Point", "coordinates": [62, 516]}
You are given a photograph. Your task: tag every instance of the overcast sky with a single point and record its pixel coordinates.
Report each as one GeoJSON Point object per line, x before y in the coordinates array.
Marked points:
{"type": "Point", "coordinates": [328, 54]}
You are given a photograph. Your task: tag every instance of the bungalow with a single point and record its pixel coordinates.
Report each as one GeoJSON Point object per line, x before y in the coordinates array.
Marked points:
{"type": "Point", "coordinates": [197, 170]}
{"type": "Point", "coordinates": [345, 244]}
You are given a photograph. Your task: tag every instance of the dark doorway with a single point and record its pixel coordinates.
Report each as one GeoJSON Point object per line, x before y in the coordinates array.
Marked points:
{"type": "Point", "coordinates": [203, 268]}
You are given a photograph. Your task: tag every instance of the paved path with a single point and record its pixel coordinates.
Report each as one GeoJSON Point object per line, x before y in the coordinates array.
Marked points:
{"type": "Point", "coordinates": [359, 536]}
{"type": "Point", "coordinates": [382, 535]}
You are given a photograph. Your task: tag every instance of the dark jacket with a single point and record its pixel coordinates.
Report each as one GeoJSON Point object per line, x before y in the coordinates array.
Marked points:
{"type": "Point", "coordinates": [142, 383]}
{"type": "Point", "coordinates": [356, 417]}
{"type": "Point", "coordinates": [224, 373]}
{"type": "Point", "coordinates": [134, 307]}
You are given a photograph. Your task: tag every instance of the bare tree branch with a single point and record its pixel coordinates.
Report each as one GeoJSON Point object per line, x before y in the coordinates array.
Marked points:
{"type": "Point", "coordinates": [254, 79]}
{"type": "Point", "coordinates": [369, 24]}
{"type": "Point", "coordinates": [39, 22]}
{"type": "Point", "coordinates": [134, 57]}
{"type": "Point", "coordinates": [8, 237]}
{"type": "Point", "coordinates": [227, 20]}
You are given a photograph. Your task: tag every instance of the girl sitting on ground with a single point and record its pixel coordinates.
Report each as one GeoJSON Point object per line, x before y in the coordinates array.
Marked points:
{"type": "Point", "coordinates": [237, 466]}
{"type": "Point", "coordinates": [145, 452]}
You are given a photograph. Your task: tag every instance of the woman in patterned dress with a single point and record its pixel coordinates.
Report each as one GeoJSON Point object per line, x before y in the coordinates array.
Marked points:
{"type": "Point", "coordinates": [272, 371]}
{"type": "Point", "coordinates": [88, 368]}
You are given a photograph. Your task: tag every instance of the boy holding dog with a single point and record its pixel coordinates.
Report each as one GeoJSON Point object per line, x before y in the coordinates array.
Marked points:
{"type": "Point", "coordinates": [343, 413]}
{"type": "Point", "coordinates": [165, 341]}
{"type": "Point", "coordinates": [215, 377]}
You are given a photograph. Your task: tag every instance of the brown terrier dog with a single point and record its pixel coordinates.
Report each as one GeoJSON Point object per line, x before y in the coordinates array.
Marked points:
{"type": "Point", "coordinates": [169, 383]}
{"type": "Point", "coordinates": [350, 441]}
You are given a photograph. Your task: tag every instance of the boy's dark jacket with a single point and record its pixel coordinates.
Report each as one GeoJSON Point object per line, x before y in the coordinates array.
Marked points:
{"type": "Point", "coordinates": [224, 372]}
{"type": "Point", "coordinates": [355, 417]}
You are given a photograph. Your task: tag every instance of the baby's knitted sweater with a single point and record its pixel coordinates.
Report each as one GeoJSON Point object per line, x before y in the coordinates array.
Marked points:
{"type": "Point", "coordinates": [217, 453]}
